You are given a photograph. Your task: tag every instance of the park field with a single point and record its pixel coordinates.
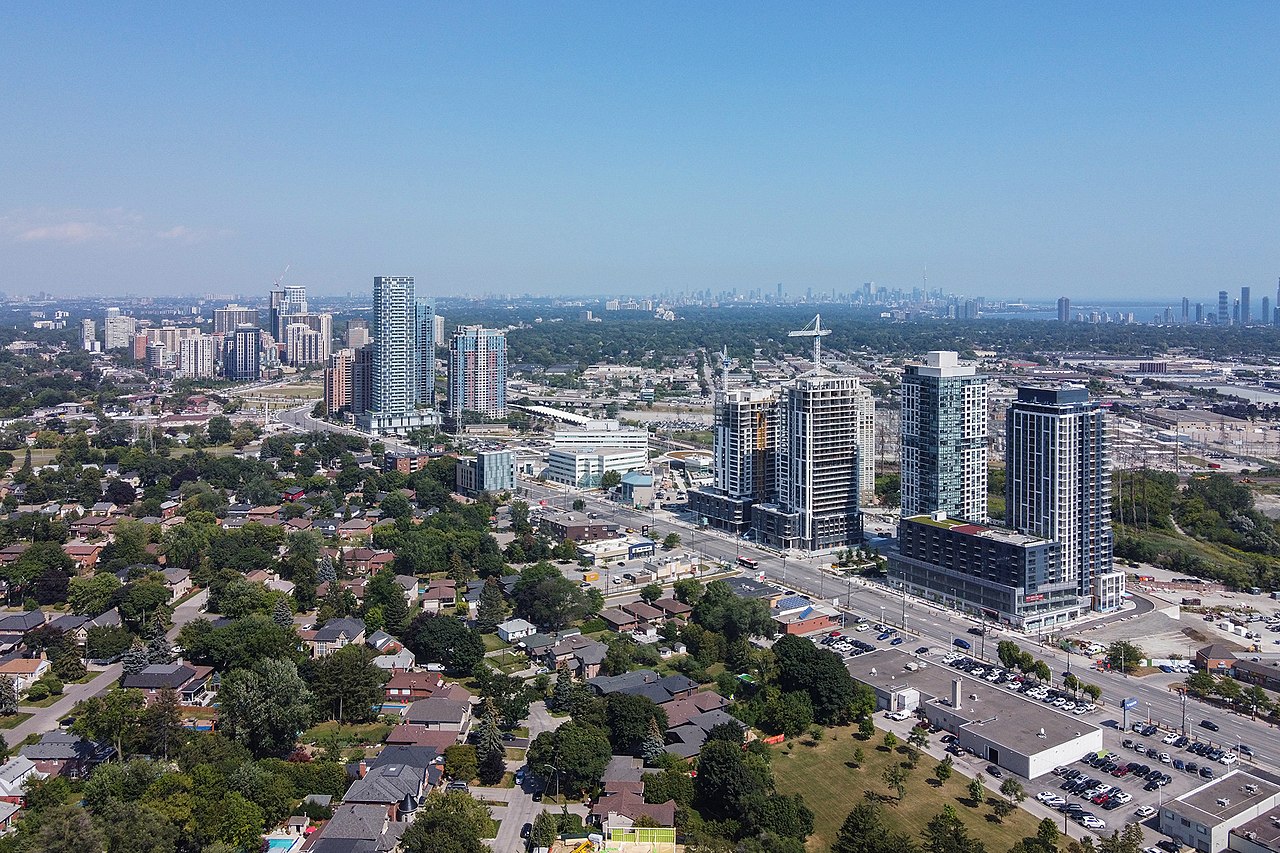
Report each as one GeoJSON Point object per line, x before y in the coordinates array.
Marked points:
{"type": "Point", "coordinates": [823, 773]}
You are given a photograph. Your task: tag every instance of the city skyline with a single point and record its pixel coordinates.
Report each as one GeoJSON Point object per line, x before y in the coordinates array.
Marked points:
{"type": "Point", "coordinates": [1029, 153]}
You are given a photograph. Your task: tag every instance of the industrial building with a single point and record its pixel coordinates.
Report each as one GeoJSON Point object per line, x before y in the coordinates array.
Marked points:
{"type": "Point", "coordinates": [1204, 817]}
{"type": "Point", "coordinates": [1025, 737]}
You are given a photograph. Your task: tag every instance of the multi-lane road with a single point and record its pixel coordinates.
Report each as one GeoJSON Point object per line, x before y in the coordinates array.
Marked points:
{"type": "Point", "coordinates": [935, 625]}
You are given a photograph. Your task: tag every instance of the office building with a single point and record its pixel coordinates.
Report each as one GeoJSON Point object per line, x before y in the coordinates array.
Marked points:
{"type": "Point", "coordinates": [1058, 485]}
{"type": "Point", "coordinates": [396, 370]}
{"type": "Point", "coordinates": [819, 469]}
{"type": "Point", "coordinates": [1199, 313]}
{"type": "Point", "coordinates": [477, 374]}
{"type": "Point", "coordinates": [745, 441]}
{"type": "Point", "coordinates": [88, 335]}
{"type": "Point", "coordinates": [1186, 310]}
{"type": "Point", "coordinates": [295, 299]}
{"type": "Point", "coordinates": [337, 381]}
{"type": "Point", "coordinates": [491, 472]}
{"type": "Point", "coordinates": [1224, 309]}
{"type": "Point", "coordinates": [1064, 309]}
{"type": "Point", "coordinates": [1266, 311]}
{"type": "Point", "coordinates": [242, 358]}
{"type": "Point", "coordinates": [357, 333]}
{"type": "Point", "coordinates": [944, 438]}
{"type": "Point", "coordinates": [230, 318]}
{"type": "Point", "coordinates": [999, 726]}
{"type": "Point", "coordinates": [601, 433]}
{"type": "Point", "coordinates": [1004, 576]}
{"type": "Point", "coordinates": [584, 467]}
{"type": "Point", "coordinates": [1226, 813]}
{"type": "Point", "coordinates": [118, 330]}
{"type": "Point", "coordinates": [1245, 314]}
{"type": "Point", "coordinates": [196, 358]}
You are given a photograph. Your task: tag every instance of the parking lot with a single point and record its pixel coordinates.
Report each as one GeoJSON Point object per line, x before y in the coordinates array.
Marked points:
{"type": "Point", "coordinates": [1129, 782]}
{"type": "Point", "coordinates": [848, 644]}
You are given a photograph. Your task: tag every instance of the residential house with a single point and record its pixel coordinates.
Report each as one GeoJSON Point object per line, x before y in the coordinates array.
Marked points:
{"type": "Point", "coordinates": [192, 683]}
{"type": "Point", "coordinates": [440, 714]}
{"type": "Point", "coordinates": [673, 609]}
{"type": "Point", "coordinates": [178, 581]}
{"type": "Point", "coordinates": [412, 734]}
{"type": "Point", "coordinates": [358, 828]}
{"type": "Point", "coordinates": [645, 682]}
{"type": "Point", "coordinates": [402, 660]}
{"type": "Point", "coordinates": [397, 780]}
{"type": "Point", "coordinates": [65, 754]}
{"type": "Point", "coordinates": [25, 671]}
{"type": "Point", "coordinates": [406, 687]}
{"type": "Point", "coordinates": [439, 594]}
{"type": "Point", "coordinates": [355, 528]}
{"type": "Point", "coordinates": [169, 509]}
{"type": "Point", "coordinates": [333, 635]}
{"type": "Point", "coordinates": [74, 626]}
{"type": "Point", "coordinates": [14, 774]}
{"type": "Point", "coordinates": [686, 740]}
{"type": "Point", "coordinates": [619, 620]}
{"type": "Point", "coordinates": [515, 629]}
{"type": "Point", "coordinates": [409, 584]}
{"type": "Point", "coordinates": [84, 555]}
{"type": "Point", "coordinates": [681, 711]}
{"type": "Point", "coordinates": [644, 612]}
{"type": "Point", "coordinates": [382, 642]}
{"type": "Point", "coordinates": [621, 803]}
{"type": "Point", "coordinates": [8, 813]}
{"type": "Point", "coordinates": [582, 655]}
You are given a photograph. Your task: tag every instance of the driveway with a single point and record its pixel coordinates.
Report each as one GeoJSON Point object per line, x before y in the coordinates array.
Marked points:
{"type": "Point", "coordinates": [46, 719]}
{"type": "Point", "coordinates": [519, 810]}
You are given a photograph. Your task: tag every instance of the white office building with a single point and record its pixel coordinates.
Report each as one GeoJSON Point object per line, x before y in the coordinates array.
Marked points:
{"type": "Point", "coordinates": [601, 433]}
{"type": "Point", "coordinates": [196, 358]}
{"type": "Point", "coordinates": [583, 467]}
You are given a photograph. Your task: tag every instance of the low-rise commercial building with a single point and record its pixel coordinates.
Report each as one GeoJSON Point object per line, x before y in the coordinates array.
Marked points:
{"type": "Point", "coordinates": [1022, 736]}
{"type": "Point", "coordinates": [1203, 817]}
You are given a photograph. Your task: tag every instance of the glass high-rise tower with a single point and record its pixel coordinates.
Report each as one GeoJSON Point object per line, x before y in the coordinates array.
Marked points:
{"type": "Point", "coordinates": [944, 438]}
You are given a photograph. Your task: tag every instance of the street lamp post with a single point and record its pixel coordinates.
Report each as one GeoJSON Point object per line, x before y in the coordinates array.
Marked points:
{"type": "Point", "coordinates": [784, 567]}
{"type": "Point", "coordinates": [556, 772]}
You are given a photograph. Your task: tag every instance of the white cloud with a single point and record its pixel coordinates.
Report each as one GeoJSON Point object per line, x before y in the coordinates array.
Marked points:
{"type": "Point", "coordinates": [114, 226]}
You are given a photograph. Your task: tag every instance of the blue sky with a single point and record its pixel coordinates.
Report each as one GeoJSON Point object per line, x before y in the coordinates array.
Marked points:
{"type": "Point", "coordinates": [1020, 149]}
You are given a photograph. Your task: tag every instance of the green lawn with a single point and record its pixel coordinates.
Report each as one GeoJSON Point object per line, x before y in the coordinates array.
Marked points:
{"type": "Point", "coordinates": [821, 773]}
{"type": "Point", "coordinates": [11, 720]}
{"type": "Point", "coordinates": [492, 642]}
{"type": "Point", "coordinates": [348, 735]}
{"type": "Point", "coordinates": [40, 703]}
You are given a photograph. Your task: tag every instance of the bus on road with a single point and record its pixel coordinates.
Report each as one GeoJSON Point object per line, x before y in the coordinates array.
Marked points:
{"type": "Point", "coordinates": [748, 563]}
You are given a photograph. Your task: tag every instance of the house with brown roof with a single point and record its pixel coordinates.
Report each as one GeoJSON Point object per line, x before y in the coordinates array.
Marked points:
{"type": "Point", "coordinates": [1217, 658]}
{"type": "Point", "coordinates": [407, 687]}
{"type": "Point", "coordinates": [354, 528]}
{"type": "Point", "coordinates": [681, 711]}
{"type": "Point", "coordinates": [673, 609]}
{"type": "Point", "coordinates": [620, 620]}
{"type": "Point", "coordinates": [439, 594]}
{"type": "Point", "coordinates": [84, 555]}
{"type": "Point", "coordinates": [644, 612]}
{"type": "Point", "coordinates": [25, 671]}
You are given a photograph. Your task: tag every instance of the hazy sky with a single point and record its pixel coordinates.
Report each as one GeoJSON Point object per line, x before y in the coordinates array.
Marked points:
{"type": "Point", "coordinates": [1024, 149]}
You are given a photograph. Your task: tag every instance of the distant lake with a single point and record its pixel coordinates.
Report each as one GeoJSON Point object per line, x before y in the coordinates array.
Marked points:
{"type": "Point", "coordinates": [1142, 312]}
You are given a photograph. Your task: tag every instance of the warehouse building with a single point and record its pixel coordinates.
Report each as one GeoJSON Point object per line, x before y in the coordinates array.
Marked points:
{"type": "Point", "coordinates": [1022, 736]}
{"type": "Point", "coordinates": [1204, 817]}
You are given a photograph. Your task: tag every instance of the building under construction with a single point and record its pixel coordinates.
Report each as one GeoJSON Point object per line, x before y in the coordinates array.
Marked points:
{"type": "Point", "coordinates": [746, 464]}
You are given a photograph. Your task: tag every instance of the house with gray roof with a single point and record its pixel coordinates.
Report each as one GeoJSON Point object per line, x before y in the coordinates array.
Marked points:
{"type": "Point", "coordinates": [333, 635]}
{"type": "Point", "coordinates": [440, 714]}
{"type": "Point", "coordinates": [358, 828]}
